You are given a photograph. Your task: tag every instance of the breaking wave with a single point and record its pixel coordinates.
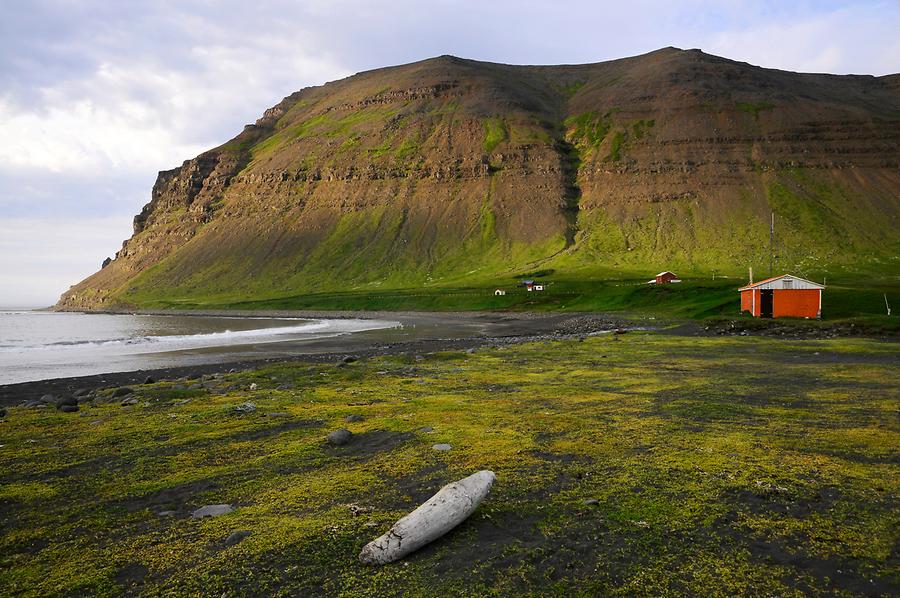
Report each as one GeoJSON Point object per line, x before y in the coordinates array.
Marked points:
{"type": "Point", "coordinates": [306, 330]}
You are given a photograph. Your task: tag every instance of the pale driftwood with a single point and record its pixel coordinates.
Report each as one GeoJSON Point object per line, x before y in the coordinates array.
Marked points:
{"type": "Point", "coordinates": [438, 515]}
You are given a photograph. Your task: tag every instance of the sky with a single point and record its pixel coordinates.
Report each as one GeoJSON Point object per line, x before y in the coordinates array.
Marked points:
{"type": "Point", "coordinates": [96, 97]}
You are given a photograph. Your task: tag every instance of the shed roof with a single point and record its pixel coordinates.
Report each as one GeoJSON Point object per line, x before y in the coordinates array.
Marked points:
{"type": "Point", "coordinates": [770, 283]}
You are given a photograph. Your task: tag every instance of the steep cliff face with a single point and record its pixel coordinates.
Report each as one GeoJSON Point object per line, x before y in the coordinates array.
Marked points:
{"type": "Point", "coordinates": [449, 171]}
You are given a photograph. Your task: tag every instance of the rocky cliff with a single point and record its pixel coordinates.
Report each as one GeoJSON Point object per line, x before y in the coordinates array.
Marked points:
{"type": "Point", "coordinates": [452, 171]}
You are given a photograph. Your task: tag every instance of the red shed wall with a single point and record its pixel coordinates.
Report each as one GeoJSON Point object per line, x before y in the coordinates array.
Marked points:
{"type": "Point", "coordinates": [665, 278]}
{"type": "Point", "coordinates": [796, 303]}
{"type": "Point", "coordinates": [747, 302]}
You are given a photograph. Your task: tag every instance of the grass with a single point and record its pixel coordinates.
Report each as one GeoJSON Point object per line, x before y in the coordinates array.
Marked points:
{"type": "Point", "coordinates": [495, 133]}
{"type": "Point", "coordinates": [716, 466]}
{"type": "Point", "coordinates": [588, 130]}
{"type": "Point", "coordinates": [695, 298]}
{"type": "Point", "coordinates": [754, 108]}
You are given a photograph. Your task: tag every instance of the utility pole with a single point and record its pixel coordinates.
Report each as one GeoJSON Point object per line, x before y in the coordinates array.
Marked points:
{"type": "Point", "coordinates": [772, 247]}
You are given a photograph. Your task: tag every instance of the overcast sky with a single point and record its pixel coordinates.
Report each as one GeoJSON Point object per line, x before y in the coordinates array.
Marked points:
{"type": "Point", "coordinates": [97, 96]}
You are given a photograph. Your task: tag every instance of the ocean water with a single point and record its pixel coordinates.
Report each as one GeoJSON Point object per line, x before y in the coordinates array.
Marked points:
{"type": "Point", "coordinates": [37, 345]}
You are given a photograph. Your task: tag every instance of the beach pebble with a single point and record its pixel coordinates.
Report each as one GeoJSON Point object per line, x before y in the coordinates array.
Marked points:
{"type": "Point", "coordinates": [442, 447]}
{"type": "Point", "coordinates": [68, 408]}
{"type": "Point", "coordinates": [47, 399]}
{"type": "Point", "coordinates": [121, 392]}
{"type": "Point", "coordinates": [81, 392]}
{"type": "Point", "coordinates": [353, 418]}
{"type": "Point", "coordinates": [66, 401]}
{"type": "Point", "coordinates": [340, 437]}
{"type": "Point", "coordinates": [129, 401]}
{"type": "Point", "coordinates": [349, 359]}
{"type": "Point", "coordinates": [211, 511]}
{"type": "Point", "coordinates": [237, 536]}
{"type": "Point", "coordinates": [253, 386]}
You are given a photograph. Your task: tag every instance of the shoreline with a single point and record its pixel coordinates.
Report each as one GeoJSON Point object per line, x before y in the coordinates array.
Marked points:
{"type": "Point", "coordinates": [487, 329]}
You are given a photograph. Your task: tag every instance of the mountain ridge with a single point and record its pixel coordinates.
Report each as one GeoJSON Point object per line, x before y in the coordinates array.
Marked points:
{"type": "Point", "coordinates": [454, 171]}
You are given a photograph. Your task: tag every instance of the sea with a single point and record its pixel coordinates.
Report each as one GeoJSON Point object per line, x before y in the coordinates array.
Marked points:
{"type": "Point", "coordinates": [41, 345]}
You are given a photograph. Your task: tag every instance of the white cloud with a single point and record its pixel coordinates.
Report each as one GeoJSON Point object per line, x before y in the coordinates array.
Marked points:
{"type": "Point", "coordinates": [40, 258]}
{"type": "Point", "coordinates": [853, 40]}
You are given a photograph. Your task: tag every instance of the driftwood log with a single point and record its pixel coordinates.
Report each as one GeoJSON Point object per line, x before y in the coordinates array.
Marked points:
{"type": "Point", "coordinates": [438, 515]}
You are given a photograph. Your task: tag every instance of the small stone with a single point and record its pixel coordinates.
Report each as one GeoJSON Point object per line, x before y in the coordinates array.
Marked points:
{"type": "Point", "coordinates": [166, 513]}
{"type": "Point", "coordinates": [426, 430]}
{"type": "Point", "coordinates": [81, 392]}
{"type": "Point", "coordinates": [349, 359]}
{"type": "Point", "coordinates": [353, 418]}
{"type": "Point", "coordinates": [340, 437]}
{"type": "Point", "coordinates": [470, 351]}
{"type": "Point", "coordinates": [211, 511]}
{"type": "Point", "coordinates": [47, 399]}
{"type": "Point", "coordinates": [68, 408]}
{"type": "Point", "coordinates": [590, 502]}
{"type": "Point", "coordinates": [149, 380]}
{"type": "Point", "coordinates": [442, 447]}
{"type": "Point", "coordinates": [66, 401]}
{"type": "Point", "coordinates": [121, 392]}
{"type": "Point", "coordinates": [129, 401]}
{"type": "Point", "coordinates": [237, 536]}
{"type": "Point", "coordinates": [245, 408]}
{"type": "Point", "coordinates": [253, 386]}
{"type": "Point", "coordinates": [284, 387]}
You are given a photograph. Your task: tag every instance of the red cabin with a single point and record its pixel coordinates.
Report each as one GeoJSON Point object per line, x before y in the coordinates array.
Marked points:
{"type": "Point", "coordinates": [664, 278]}
{"type": "Point", "coordinates": [784, 296]}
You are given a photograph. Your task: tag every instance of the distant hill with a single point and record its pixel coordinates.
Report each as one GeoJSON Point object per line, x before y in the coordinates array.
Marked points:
{"type": "Point", "coordinates": [455, 172]}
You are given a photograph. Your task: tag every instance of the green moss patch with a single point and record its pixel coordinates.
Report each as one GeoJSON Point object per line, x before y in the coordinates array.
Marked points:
{"type": "Point", "coordinates": [633, 464]}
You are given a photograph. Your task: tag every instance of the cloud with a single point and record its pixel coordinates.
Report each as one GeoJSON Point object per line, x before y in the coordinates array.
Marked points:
{"type": "Point", "coordinates": [861, 39]}
{"type": "Point", "coordinates": [40, 257]}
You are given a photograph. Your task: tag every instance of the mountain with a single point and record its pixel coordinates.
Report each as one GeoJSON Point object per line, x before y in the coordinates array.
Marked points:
{"type": "Point", "coordinates": [452, 172]}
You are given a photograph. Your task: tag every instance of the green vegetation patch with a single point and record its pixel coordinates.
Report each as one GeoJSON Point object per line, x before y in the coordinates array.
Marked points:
{"type": "Point", "coordinates": [626, 464]}
{"type": "Point", "coordinates": [589, 129]}
{"type": "Point", "coordinates": [754, 108]}
{"type": "Point", "coordinates": [495, 133]}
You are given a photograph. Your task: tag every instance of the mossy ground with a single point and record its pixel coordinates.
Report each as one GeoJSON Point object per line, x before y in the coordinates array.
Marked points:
{"type": "Point", "coordinates": [719, 466]}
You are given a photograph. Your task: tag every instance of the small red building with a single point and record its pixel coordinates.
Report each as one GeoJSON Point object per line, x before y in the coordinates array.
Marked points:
{"type": "Point", "coordinates": [784, 296]}
{"type": "Point", "coordinates": [664, 278]}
